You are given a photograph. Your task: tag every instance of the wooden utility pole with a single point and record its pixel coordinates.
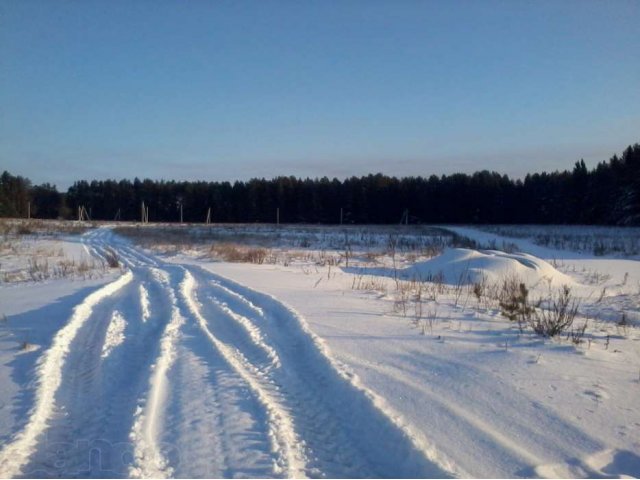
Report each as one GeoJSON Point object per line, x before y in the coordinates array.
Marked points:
{"type": "Point", "coordinates": [144, 213]}
{"type": "Point", "coordinates": [405, 217]}
{"type": "Point", "coordinates": [82, 214]}
{"type": "Point", "coordinates": [180, 212]}
{"type": "Point", "coordinates": [28, 210]}
{"type": "Point", "coordinates": [340, 215]}
{"type": "Point", "coordinates": [208, 220]}
{"type": "Point", "coordinates": [278, 216]}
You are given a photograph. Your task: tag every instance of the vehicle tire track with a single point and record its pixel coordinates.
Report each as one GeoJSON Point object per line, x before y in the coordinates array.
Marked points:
{"type": "Point", "coordinates": [203, 378]}
{"type": "Point", "coordinates": [338, 422]}
{"type": "Point", "coordinates": [285, 444]}
{"type": "Point", "coordinates": [49, 374]}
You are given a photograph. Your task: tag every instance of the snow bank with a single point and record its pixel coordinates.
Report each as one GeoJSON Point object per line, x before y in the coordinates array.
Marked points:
{"type": "Point", "coordinates": [469, 266]}
{"type": "Point", "coordinates": [462, 265]}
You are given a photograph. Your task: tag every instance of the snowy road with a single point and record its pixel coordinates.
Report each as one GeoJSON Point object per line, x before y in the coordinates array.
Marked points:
{"type": "Point", "coordinates": [172, 371]}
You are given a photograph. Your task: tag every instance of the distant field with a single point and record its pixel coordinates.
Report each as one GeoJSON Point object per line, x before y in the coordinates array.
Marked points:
{"type": "Point", "coordinates": [598, 240]}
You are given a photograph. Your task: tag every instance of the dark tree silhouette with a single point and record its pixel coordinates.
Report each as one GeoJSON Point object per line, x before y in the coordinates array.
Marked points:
{"type": "Point", "coordinates": [609, 194]}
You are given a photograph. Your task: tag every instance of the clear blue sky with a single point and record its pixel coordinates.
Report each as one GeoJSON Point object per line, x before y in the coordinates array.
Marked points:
{"type": "Point", "coordinates": [224, 90]}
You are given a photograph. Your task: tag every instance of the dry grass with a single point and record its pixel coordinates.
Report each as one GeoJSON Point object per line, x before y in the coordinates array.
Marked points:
{"type": "Point", "coordinates": [50, 228]}
{"type": "Point", "coordinates": [232, 252]}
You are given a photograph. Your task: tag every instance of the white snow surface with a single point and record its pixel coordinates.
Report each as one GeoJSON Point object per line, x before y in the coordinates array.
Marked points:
{"type": "Point", "coordinates": [186, 368]}
{"type": "Point", "coordinates": [115, 333]}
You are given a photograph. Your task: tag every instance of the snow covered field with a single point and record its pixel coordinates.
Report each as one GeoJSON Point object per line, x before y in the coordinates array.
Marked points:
{"type": "Point", "coordinates": [360, 352]}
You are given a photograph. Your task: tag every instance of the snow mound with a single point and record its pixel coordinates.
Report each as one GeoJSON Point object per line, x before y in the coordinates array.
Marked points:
{"type": "Point", "coordinates": [464, 265]}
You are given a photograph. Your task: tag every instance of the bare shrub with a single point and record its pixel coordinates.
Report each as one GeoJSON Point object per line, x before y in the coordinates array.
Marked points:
{"type": "Point", "coordinates": [367, 283]}
{"type": "Point", "coordinates": [559, 314]}
{"type": "Point", "coordinates": [576, 335]}
{"type": "Point", "coordinates": [38, 269]}
{"type": "Point", "coordinates": [432, 315]}
{"type": "Point", "coordinates": [112, 258]}
{"type": "Point", "coordinates": [403, 295]}
{"type": "Point", "coordinates": [24, 229]}
{"type": "Point", "coordinates": [255, 255]}
{"type": "Point", "coordinates": [479, 289]}
{"type": "Point", "coordinates": [484, 292]}
{"type": "Point", "coordinates": [460, 282]}
{"type": "Point", "coordinates": [65, 268]}
{"type": "Point", "coordinates": [83, 267]}
{"type": "Point", "coordinates": [231, 252]}
{"type": "Point", "coordinates": [227, 251]}
{"type": "Point", "coordinates": [623, 323]}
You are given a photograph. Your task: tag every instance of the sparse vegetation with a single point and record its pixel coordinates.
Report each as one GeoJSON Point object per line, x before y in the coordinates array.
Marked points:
{"type": "Point", "coordinates": [514, 302]}
{"type": "Point", "coordinates": [555, 314]}
{"type": "Point", "coordinates": [597, 240]}
{"type": "Point", "coordinates": [111, 257]}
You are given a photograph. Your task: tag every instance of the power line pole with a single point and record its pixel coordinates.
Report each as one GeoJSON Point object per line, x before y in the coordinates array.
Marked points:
{"type": "Point", "coordinates": [405, 217]}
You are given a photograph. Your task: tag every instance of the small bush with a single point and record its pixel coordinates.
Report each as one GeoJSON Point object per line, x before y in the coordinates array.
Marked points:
{"type": "Point", "coordinates": [255, 255]}
{"type": "Point", "coordinates": [226, 251]}
{"type": "Point", "coordinates": [478, 290]}
{"type": "Point", "coordinates": [514, 303]}
{"type": "Point", "coordinates": [112, 258]}
{"type": "Point", "coordinates": [24, 229]}
{"type": "Point", "coordinates": [576, 335]}
{"type": "Point", "coordinates": [230, 252]}
{"type": "Point", "coordinates": [38, 269]}
{"type": "Point", "coordinates": [559, 315]}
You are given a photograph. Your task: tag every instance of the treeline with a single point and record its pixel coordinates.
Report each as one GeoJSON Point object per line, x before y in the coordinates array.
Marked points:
{"type": "Point", "coordinates": [609, 194]}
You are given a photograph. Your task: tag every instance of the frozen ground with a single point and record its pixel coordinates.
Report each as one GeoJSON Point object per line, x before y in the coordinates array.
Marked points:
{"type": "Point", "coordinates": [184, 366]}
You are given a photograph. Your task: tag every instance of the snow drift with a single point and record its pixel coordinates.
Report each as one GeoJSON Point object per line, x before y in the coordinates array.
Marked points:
{"type": "Point", "coordinates": [462, 265]}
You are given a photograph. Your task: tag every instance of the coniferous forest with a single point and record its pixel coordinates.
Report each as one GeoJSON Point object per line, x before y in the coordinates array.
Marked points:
{"type": "Point", "coordinates": [608, 194]}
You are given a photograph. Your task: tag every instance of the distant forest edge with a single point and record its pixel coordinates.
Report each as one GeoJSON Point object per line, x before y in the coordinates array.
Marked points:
{"type": "Point", "coordinates": [609, 194]}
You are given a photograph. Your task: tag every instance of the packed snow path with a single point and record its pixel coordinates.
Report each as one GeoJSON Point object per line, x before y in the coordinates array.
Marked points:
{"type": "Point", "coordinates": [171, 371]}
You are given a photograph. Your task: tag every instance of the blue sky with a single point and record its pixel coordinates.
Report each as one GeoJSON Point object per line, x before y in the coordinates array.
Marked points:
{"type": "Point", "coordinates": [224, 90]}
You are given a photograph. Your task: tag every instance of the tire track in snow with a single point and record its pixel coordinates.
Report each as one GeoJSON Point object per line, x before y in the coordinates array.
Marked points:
{"type": "Point", "coordinates": [222, 428]}
{"type": "Point", "coordinates": [233, 375]}
{"type": "Point", "coordinates": [49, 377]}
{"type": "Point", "coordinates": [253, 335]}
{"type": "Point", "coordinates": [413, 452]}
{"type": "Point", "coordinates": [290, 460]}
{"type": "Point", "coordinates": [149, 460]}
{"type": "Point", "coordinates": [98, 397]}
{"type": "Point", "coordinates": [339, 422]}
{"type": "Point", "coordinates": [145, 305]}
{"type": "Point", "coordinates": [115, 333]}
{"type": "Point", "coordinates": [208, 426]}
{"type": "Point", "coordinates": [218, 431]}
